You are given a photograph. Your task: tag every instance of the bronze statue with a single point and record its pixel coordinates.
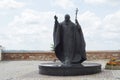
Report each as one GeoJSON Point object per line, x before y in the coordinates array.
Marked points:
{"type": "Point", "coordinates": [69, 47]}
{"type": "Point", "coordinates": [69, 43]}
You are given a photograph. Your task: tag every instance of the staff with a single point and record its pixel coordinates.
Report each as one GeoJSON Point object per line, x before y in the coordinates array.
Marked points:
{"type": "Point", "coordinates": [76, 13]}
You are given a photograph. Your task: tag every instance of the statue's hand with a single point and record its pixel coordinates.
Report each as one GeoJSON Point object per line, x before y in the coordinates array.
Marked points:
{"type": "Point", "coordinates": [55, 17]}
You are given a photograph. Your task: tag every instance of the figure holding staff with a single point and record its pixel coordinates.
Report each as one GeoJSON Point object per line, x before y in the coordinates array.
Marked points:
{"type": "Point", "coordinates": [69, 43]}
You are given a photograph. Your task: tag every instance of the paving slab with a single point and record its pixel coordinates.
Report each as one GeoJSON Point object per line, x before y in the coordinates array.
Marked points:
{"type": "Point", "coordinates": [28, 70]}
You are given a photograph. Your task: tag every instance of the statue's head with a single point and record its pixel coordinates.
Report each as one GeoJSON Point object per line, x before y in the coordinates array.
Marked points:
{"type": "Point", "coordinates": [67, 17]}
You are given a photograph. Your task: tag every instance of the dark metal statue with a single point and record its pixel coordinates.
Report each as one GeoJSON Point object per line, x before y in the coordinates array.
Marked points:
{"type": "Point", "coordinates": [69, 43]}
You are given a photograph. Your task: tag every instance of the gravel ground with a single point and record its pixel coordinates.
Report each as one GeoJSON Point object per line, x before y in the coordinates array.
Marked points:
{"type": "Point", "coordinates": [28, 70]}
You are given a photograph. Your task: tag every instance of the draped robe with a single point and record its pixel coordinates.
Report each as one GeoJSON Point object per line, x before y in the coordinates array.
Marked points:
{"type": "Point", "coordinates": [69, 43]}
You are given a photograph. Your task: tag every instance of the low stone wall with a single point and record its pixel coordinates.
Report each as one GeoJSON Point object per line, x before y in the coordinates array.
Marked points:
{"type": "Point", "coordinates": [91, 55]}
{"type": "Point", "coordinates": [29, 56]}
{"type": "Point", "coordinates": [0, 54]}
{"type": "Point", "coordinates": [103, 55]}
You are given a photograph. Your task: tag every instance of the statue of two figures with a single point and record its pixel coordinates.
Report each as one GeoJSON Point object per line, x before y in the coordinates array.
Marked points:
{"type": "Point", "coordinates": [69, 43]}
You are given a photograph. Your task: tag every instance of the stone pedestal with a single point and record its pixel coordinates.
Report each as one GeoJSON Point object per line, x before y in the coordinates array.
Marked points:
{"type": "Point", "coordinates": [57, 69]}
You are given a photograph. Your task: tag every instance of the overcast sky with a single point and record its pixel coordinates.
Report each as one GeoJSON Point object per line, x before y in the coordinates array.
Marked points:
{"type": "Point", "coordinates": [28, 24]}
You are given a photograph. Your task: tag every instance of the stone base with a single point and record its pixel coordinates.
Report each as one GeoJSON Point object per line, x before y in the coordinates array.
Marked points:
{"type": "Point", "coordinates": [57, 69]}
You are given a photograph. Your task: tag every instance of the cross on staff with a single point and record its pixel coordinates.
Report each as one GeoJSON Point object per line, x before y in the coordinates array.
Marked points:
{"type": "Point", "coordinates": [76, 13]}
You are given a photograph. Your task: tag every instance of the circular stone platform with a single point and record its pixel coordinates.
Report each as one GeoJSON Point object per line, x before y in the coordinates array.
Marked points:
{"type": "Point", "coordinates": [57, 69]}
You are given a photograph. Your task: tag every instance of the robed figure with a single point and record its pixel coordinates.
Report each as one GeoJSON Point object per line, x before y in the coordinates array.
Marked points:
{"type": "Point", "coordinates": [69, 43]}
